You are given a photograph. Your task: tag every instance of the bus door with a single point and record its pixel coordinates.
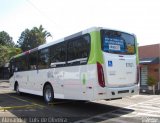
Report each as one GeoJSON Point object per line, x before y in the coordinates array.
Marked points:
{"type": "Point", "coordinates": [56, 77]}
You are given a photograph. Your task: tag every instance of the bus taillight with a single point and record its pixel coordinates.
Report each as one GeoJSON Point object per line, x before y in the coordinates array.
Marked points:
{"type": "Point", "coordinates": [100, 73]}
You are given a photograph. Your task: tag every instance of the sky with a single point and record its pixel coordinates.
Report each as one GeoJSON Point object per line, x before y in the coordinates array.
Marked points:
{"type": "Point", "coordinates": [65, 17]}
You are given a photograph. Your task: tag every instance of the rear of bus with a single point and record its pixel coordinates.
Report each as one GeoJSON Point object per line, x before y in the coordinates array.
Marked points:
{"type": "Point", "coordinates": [120, 69]}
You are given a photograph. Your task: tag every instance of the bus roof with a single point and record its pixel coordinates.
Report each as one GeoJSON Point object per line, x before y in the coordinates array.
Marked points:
{"type": "Point", "coordinates": [69, 37]}
{"type": "Point", "coordinates": [63, 39]}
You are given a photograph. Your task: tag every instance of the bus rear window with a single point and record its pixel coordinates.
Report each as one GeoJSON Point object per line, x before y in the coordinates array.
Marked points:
{"type": "Point", "coordinates": [117, 42]}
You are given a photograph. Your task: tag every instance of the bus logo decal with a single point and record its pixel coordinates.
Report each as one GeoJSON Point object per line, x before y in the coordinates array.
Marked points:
{"type": "Point", "coordinates": [84, 79]}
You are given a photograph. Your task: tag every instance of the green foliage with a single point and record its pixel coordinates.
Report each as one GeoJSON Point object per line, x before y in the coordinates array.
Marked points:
{"type": "Point", "coordinates": [7, 52]}
{"type": "Point", "coordinates": [5, 39]}
{"type": "Point", "coordinates": [32, 38]}
{"type": "Point", "coordinates": [12, 51]}
{"type": "Point", "coordinates": [7, 48]}
{"type": "Point", "coordinates": [29, 39]}
{"type": "Point", "coordinates": [151, 81]}
{"type": "Point", "coordinates": [3, 55]}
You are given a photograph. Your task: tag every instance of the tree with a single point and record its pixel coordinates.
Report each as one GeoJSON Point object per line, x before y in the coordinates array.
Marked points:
{"type": "Point", "coordinates": [5, 39]}
{"type": "Point", "coordinates": [12, 51]}
{"type": "Point", "coordinates": [3, 55]}
{"type": "Point", "coordinates": [7, 48]}
{"type": "Point", "coordinates": [151, 81]}
{"type": "Point", "coordinates": [32, 38]}
{"type": "Point", "coordinates": [24, 40]}
{"type": "Point", "coordinates": [7, 52]}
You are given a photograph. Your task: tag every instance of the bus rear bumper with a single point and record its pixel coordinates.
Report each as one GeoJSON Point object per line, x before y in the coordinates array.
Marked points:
{"type": "Point", "coordinates": [120, 92]}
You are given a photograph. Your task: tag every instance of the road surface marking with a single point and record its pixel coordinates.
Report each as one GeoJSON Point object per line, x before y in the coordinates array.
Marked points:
{"type": "Point", "coordinates": [42, 106]}
{"type": "Point", "coordinates": [17, 107]}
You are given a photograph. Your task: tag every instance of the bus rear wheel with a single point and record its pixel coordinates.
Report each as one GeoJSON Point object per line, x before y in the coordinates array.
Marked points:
{"type": "Point", "coordinates": [48, 94]}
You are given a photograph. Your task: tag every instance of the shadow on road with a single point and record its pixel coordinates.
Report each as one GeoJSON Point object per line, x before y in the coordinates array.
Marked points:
{"type": "Point", "coordinates": [73, 110]}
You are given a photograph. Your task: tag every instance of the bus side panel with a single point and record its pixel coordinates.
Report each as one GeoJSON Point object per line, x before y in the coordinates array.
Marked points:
{"type": "Point", "coordinates": [81, 83]}
{"type": "Point", "coordinates": [76, 80]}
{"type": "Point", "coordinates": [21, 78]}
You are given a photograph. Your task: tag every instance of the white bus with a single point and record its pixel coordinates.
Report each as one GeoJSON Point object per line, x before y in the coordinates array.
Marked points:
{"type": "Point", "coordinates": [93, 64]}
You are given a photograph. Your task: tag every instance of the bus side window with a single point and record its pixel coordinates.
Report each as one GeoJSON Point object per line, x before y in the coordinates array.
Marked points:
{"type": "Point", "coordinates": [33, 60]}
{"type": "Point", "coordinates": [43, 58]}
{"type": "Point", "coordinates": [21, 63]}
{"type": "Point", "coordinates": [78, 50]}
{"type": "Point", "coordinates": [58, 55]}
{"type": "Point", "coordinates": [11, 67]}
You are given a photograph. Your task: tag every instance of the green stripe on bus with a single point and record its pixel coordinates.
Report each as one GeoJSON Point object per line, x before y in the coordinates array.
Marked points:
{"type": "Point", "coordinates": [95, 52]}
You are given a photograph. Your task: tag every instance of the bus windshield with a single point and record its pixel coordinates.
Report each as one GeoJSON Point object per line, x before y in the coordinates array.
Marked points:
{"type": "Point", "coordinates": [117, 42]}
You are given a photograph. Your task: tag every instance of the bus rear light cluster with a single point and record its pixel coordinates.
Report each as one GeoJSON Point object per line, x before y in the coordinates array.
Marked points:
{"type": "Point", "coordinates": [100, 73]}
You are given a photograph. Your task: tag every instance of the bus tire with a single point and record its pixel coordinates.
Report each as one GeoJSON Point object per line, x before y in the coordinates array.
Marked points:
{"type": "Point", "coordinates": [48, 93]}
{"type": "Point", "coordinates": [17, 89]}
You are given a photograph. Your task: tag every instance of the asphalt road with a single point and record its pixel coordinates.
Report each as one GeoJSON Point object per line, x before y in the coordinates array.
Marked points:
{"type": "Point", "coordinates": [34, 109]}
